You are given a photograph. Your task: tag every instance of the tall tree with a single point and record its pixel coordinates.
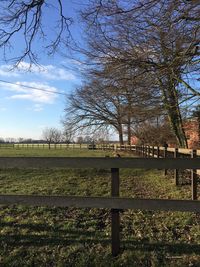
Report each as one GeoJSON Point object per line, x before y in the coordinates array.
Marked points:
{"type": "Point", "coordinates": [94, 106]}
{"type": "Point", "coordinates": [51, 135]}
{"type": "Point", "coordinates": [154, 37]}
{"type": "Point", "coordinates": [107, 101]}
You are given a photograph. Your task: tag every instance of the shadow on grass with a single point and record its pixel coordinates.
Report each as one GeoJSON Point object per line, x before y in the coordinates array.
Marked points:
{"type": "Point", "coordinates": [178, 248]}
{"type": "Point", "coordinates": [132, 245]}
{"type": "Point", "coordinates": [45, 240]}
{"type": "Point", "coordinates": [51, 231]}
{"type": "Point", "coordinates": [65, 237]}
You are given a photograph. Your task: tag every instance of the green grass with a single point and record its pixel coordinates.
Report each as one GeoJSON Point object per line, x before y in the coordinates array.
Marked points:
{"type": "Point", "coordinates": [38, 152]}
{"type": "Point", "coordinates": [42, 236]}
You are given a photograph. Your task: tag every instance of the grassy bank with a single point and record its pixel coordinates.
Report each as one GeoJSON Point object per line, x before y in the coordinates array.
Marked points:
{"type": "Point", "coordinates": [81, 237]}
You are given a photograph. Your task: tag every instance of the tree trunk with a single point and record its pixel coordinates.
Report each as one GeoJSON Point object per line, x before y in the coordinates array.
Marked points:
{"type": "Point", "coordinates": [177, 127]}
{"type": "Point", "coordinates": [170, 100]}
{"type": "Point", "coordinates": [198, 121]}
{"type": "Point", "coordinates": [120, 132]}
{"type": "Point", "coordinates": [121, 140]}
{"type": "Point", "coordinates": [129, 131]}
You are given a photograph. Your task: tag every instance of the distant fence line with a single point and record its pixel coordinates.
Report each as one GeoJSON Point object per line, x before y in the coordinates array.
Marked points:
{"type": "Point", "coordinates": [42, 146]}
{"type": "Point", "coordinates": [64, 146]}
{"type": "Point", "coordinates": [115, 203]}
{"type": "Point", "coordinates": [57, 146]}
{"type": "Point", "coordinates": [142, 150]}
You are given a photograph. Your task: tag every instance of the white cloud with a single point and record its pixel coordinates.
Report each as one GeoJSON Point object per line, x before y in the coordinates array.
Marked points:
{"type": "Point", "coordinates": [6, 71]}
{"type": "Point", "coordinates": [36, 107]}
{"type": "Point", "coordinates": [44, 71]}
{"type": "Point", "coordinates": [31, 94]}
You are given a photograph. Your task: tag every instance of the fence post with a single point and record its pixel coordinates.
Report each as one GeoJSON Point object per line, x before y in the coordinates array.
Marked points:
{"type": "Point", "coordinates": [176, 170]}
{"type": "Point", "coordinates": [158, 152]}
{"type": "Point", "coordinates": [194, 177]}
{"type": "Point", "coordinates": [139, 150]}
{"type": "Point", "coordinates": [148, 151]}
{"type": "Point", "coordinates": [115, 223]}
{"type": "Point", "coordinates": [165, 156]}
{"type": "Point", "coordinates": [153, 151]}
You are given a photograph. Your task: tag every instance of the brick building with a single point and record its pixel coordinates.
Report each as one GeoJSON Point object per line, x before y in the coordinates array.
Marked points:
{"type": "Point", "coordinates": [192, 131]}
{"type": "Point", "coordinates": [134, 140]}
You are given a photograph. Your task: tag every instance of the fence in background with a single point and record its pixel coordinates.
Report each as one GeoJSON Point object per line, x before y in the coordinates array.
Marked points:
{"type": "Point", "coordinates": [153, 151]}
{"type": "Point", "coordinates": [165, 152]}
{"type": "Point", "coordinates": [42, 146]}
{"type": "Point", "coordinates": [115, 203]}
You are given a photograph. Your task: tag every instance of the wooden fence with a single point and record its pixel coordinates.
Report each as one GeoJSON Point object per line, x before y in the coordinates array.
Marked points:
{"type": "Point", "coordinates": [65, 146]}
{"type": "Point", "coordinates": [162, 152]}
{"type": "Point", "coordinates": [141, 150]}
{"type": "Point", "coordinates": [115, 203]}
{"type": "Point", "coordinates": [42, 146]}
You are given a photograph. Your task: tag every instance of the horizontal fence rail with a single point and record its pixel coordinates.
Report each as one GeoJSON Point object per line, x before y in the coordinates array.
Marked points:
{"type": "Point", "coordinates": [107, 163]}
{"type": "Point", "coordinates": [102, 202]}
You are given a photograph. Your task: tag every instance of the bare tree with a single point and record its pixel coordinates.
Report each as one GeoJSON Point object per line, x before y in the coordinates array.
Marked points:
{"type": "Point", "coordinates": [68, 133]}
{"type": "Point", "coordinates": [57, 136]}
{"type": "Point", "coordinates": [20, 140]}
{"type": "Point", "coordinates": [101, 136]}
{"type": "Point", "coordinates": [160, 38]}
{"type": "Point", "coordinates": [139, 95]}
{"type": "Point", "coordinates": [104, 102]}
{"type": "Point", "coordinates": [80, 140]}
{"type": "Point", "coordinates": [93, 107]}
{"type": "Point", "coordinates": [2, 140]}
{"type": "Point", "coordinates": [25, 19]}
{"type": "Point", "coordinates": [147, 133]}
{"type": "Point", "coordinates": [51, 135]}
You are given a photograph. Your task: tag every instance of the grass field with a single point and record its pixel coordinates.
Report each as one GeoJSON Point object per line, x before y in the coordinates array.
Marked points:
{"type": "Point", "coordinates": [81, 237]}
{"type": "Point", "coordinates": [37, 152]}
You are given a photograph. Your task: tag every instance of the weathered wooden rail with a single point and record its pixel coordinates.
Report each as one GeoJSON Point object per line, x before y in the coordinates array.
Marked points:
{"type": "Point", "coordinates": [115, 203]}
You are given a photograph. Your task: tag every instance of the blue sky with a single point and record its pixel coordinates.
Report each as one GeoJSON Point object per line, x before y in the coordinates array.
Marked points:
{"type": "Point", "coordinates": [25, 112]}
